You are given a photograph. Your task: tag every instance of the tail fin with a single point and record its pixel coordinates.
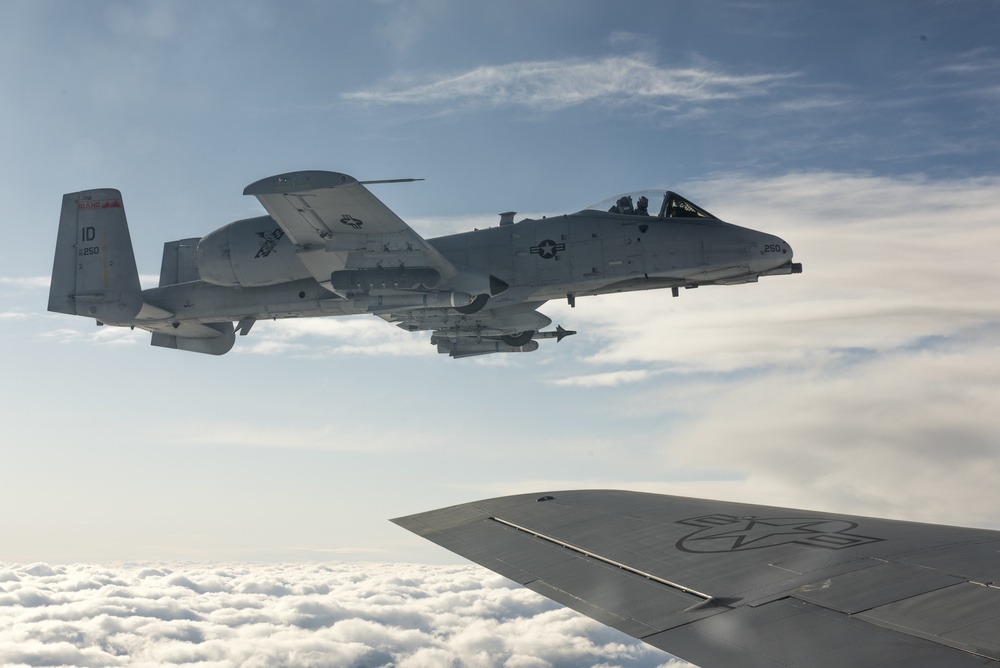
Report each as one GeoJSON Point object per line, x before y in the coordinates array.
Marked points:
{"type": "Point", "coordinates": [94, 271]}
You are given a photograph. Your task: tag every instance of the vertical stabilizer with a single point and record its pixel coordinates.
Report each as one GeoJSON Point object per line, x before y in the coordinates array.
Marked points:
{"type": "Point", "coordinates": [94, 272]}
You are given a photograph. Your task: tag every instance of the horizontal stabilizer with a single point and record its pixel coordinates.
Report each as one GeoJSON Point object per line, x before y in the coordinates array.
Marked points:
{"type": "Point", "coordinates": [178, 264]}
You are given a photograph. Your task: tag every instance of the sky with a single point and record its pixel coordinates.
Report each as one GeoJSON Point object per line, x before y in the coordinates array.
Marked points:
{"type": "Point", "coordinates": [863, 134]}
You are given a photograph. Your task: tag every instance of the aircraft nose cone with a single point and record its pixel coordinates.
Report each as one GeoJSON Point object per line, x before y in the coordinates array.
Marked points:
{"type": "Point", "coordinates": [769, 252]}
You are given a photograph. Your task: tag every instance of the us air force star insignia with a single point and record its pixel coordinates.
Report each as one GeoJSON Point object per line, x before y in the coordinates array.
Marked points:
{"type": "Point", "coordinates": [727, 533]}
{"type": "Point", "coordinates": [352, 221]}
{"type": "Point", "coordinates": [547, 249]}
{"type": "Point", "coordinates": [268, 241]}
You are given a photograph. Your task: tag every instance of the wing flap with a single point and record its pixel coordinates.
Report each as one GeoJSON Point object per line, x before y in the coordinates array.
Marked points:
{"type": "Point", "coordinates": [868, 588]}
{"type": "Point", "coordinates": [965, 616]}
{"type": "Point", "coordinates": [790, 633]}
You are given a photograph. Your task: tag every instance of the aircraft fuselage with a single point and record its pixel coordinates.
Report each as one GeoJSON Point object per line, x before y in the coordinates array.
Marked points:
{"type": "Point", "coordinates": [541, 259]}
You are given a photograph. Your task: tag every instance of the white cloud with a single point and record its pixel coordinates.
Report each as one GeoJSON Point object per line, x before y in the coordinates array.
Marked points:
{"type": "Point", "coordinates": [95, 334]}
{"type": "Point", "coordinates": [557, 84]}
{"type": "Point", "coordinates": [887, 263]}
{"type": "Point", "coordinates": [609, 379]}
{"type": "Point", "coordinates": [293, 615]}
{"type": "Point", "coordinates": [909, 433]}
{"type": "Point", "coordinates": [25, 282]}
{"type": "Point", "coordinates": [331, 337]}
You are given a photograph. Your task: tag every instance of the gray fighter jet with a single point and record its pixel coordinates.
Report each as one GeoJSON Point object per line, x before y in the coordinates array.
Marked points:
{"type": "Point", "coordinates": [733, 584]}
{"type": "Point", "coordinates": [328, 247]}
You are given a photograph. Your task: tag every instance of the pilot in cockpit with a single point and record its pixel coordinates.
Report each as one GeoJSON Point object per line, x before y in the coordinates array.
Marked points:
{"type": "Point", "coordinates": [623, 205]}
{"type": "Point", "coordinates": [642, 206]}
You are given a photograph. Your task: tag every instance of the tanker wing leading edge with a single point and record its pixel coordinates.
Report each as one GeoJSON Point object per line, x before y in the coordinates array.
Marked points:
{"type": "Point", "coordinates": [329, 247]}
{"type": "Point", "coordinates": [727, 584]}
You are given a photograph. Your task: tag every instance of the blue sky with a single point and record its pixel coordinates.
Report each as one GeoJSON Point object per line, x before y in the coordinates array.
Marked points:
{"type": "Point", "coordinates": [865, 135]}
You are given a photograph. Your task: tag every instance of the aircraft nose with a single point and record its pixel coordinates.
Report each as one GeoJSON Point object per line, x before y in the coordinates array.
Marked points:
{"type": "Point", "coordinates": [769, 252]}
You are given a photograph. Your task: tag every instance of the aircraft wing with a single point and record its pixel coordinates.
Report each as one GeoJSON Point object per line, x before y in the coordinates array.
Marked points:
{"type": "Point", "coordinates": [726, 584]}
{"type": "Point", "coordinates": [337, 225]}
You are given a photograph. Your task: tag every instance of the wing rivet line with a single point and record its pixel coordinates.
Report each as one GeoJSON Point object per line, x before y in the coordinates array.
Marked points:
{"type": "Point", "coordinates": [611, 562]}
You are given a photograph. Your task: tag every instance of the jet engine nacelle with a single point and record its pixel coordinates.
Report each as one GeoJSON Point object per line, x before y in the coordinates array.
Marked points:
{"type": "Point", "coordinates": [248, 253]}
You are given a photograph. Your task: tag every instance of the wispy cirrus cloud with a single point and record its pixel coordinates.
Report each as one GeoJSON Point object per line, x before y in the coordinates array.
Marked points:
{"type": "Point", "coordinates": [608, 379]}
{"type": "Point", "coordinates": [558, 84]}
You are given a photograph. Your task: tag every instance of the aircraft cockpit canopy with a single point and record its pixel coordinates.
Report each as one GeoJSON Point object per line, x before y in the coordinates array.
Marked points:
{"type": "Point", "coordinates": [654, 203]}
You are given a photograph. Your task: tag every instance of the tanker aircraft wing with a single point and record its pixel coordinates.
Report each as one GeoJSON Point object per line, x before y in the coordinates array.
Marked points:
{"type": "Point", "coordinates": [346, 237]}
{"type": "Point", "coordinates": [727, 584]}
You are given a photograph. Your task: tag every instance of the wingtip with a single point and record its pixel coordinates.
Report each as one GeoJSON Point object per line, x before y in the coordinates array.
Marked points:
{"type": "Point", "coordinates": [298, 182]}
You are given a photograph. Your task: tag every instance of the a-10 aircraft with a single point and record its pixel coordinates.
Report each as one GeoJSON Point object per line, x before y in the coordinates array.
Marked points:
{"type": "Point", "coordinates": [329, 247]}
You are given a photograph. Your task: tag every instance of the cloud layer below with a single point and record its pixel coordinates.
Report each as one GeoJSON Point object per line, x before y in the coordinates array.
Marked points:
{"type": "Point", "coordinates": [294, 615]}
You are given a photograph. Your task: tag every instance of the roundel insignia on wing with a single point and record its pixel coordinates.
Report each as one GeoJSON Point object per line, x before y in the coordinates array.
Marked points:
{"type": "Point", "coordinates": [728, 533]}
{"type": "Point", "coordinates": [547, 249]}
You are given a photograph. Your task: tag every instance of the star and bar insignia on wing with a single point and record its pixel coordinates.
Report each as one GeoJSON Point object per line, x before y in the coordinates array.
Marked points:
{"type": "Point", "coordinates": [728, 533]}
